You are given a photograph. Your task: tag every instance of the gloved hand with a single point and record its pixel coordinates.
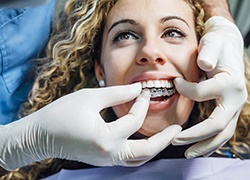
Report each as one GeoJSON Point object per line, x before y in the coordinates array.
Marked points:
{"type": "Point", "coordinates": [221, 56]}
{"type": "Point", "coordinates": [72, 128]}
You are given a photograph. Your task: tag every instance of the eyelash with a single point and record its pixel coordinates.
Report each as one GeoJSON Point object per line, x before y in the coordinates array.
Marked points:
{"type": "Point", "coordinates": [175, 30]}
{"type": "Point", "coordinates": [123, 33]}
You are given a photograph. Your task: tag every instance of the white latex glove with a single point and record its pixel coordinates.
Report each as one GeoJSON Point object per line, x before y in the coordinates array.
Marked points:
{"type": "Point", "coordinates": [221, 56]}
{"type": "Point", "coordinates": [72, 128]}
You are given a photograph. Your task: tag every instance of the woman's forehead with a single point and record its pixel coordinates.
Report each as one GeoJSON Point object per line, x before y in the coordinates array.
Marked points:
{"type": "Point", "coordinates": [148, 9]}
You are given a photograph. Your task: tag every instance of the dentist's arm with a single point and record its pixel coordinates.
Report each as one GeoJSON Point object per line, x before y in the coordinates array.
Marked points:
{"type": "Point", "coordinates": [72, 128]}
{"type": "Point", "coordinates": [217, 8]}
{"type": "Point", "coordinates": [221, 57]}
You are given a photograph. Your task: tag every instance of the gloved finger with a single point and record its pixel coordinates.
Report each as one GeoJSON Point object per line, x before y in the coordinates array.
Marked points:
{"type": "Point", "coordinates": [130, 123]}
{"type": "Point", "coordinates": [145, 149]}
{"type": "Point", "coordinates": [111, 96]}
{"type": "Point", "coordinates": [212, 150]}
{"type": "Point", "coordinates": [215, 124]}
{"type": "Point", "coordinates": [225, 135]}
{"type": "Point", "coordinates": [135, 163]}
{"type": "Point", "coordinates": [203, 148]}
{"type": "Point", "coordinates": [210, 48]}
{"type": "Point", "coordinates": [209, 146]}
{"type": "Point", "coordinates": [205, 90]}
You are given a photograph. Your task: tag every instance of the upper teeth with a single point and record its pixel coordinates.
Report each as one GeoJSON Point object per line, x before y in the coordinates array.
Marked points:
{"type": "Point", "coordinates": [157, 84]}
{"type": "Point", "coordinates": [159, 88]}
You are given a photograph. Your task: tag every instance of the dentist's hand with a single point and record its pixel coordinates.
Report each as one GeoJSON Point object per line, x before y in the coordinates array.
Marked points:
{"type": "Point", "coordinates": [221, 57]}
{"type": "Point", "coordinates": [72, 128]}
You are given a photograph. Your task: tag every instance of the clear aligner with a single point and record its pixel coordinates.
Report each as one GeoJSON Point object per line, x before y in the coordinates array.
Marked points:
{"type": "Point", "coordinates": [158, 92]}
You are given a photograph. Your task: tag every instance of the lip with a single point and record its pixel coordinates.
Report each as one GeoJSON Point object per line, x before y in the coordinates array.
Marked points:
{"type": "Point", "coordinates": [161, 105]}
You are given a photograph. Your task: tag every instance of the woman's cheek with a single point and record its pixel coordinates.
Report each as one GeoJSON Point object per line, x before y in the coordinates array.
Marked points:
{"type": "Point", "coordinates": [184, 108]}
{"type": "Point", "coordinates": [121, 110]}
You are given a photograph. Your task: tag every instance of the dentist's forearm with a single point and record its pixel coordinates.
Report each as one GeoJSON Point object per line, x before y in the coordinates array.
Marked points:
{"type": "Point", "coordinates": [20, 143]}
{"type": "Point", "coordinates": [217, 8]}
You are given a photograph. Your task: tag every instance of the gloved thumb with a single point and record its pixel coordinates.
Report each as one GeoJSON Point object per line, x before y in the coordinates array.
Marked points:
{"type": "Point", "coordinates": [209, 51]}
{"type": "Point", "coordinates": [115, 95]}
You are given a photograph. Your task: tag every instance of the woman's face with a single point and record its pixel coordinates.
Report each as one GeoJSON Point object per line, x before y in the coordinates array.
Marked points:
{"type": "Point", "coordinates": [152, 42]}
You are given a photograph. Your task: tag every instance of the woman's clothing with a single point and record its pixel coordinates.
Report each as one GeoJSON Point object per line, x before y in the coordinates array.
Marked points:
{"type": "Point", "coordinates": [23, 34]}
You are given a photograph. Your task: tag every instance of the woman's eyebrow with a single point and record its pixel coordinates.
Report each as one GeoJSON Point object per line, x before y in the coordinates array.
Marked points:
{"type": "Point", "coordinates": [130, 21]}
{"type": "Point", "coordinates": [168, 18]}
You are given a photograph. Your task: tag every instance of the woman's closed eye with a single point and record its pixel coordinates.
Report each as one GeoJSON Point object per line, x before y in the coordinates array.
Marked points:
{"type": "Point", "coordinates": [125, 36]}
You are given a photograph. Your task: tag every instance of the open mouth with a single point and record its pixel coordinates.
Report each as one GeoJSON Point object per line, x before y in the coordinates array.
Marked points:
{"type": "Point", "coordinates": [160, 90]}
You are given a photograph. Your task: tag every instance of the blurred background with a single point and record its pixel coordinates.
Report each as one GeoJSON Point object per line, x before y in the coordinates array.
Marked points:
{"type": "Point", "coordinates": [241, 12]}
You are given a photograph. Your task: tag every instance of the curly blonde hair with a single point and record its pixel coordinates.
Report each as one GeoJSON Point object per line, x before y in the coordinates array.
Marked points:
{"type": "Point", "coordinates": [69, 66]}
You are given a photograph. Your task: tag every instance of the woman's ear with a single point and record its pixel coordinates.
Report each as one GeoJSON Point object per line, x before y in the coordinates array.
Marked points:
{"type": "Point", "coordinates": [99, 72]}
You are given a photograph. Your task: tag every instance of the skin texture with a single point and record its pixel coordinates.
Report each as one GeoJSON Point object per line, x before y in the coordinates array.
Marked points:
{"type": "Point", "coordinates": [161, 47]}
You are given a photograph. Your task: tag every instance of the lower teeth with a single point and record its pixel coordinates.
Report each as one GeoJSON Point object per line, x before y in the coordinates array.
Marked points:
{"type": "Point", "coordinates": [158, 92]}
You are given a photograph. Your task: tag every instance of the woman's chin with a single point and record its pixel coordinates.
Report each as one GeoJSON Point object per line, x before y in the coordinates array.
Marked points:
{"type": "Point", "coordinates": [149, 132]}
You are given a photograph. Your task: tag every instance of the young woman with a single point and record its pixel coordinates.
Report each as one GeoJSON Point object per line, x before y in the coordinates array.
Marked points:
{"type": "Point", "coordinates": [124, 42]}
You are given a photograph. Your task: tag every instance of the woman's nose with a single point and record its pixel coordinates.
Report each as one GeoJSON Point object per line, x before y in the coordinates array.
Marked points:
{"type": "Point", "coordinates": [151, 53]}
